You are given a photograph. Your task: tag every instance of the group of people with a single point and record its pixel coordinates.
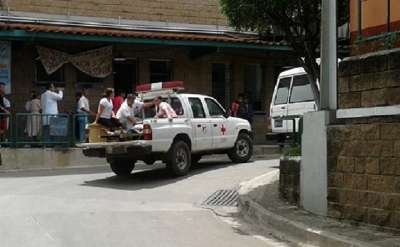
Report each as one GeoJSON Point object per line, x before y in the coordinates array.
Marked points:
{"type": "Point", "coordinates": [117, 113]}
{"type": "Point", "coordinates": [114, 113]}
{"type": "Point", "coordinates": [242, 108]}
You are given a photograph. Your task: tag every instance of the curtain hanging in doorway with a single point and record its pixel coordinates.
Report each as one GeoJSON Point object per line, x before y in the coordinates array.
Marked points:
{"type": "Point", "coordinates": [96, 63]}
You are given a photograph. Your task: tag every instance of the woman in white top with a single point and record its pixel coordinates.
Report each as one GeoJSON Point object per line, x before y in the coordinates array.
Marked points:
{"type": "Point", "coordinates": [105, 116]}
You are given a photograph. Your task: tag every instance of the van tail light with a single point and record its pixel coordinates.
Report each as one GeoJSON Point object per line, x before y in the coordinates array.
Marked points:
{"type": "Point", "coordinates": [147, 133]}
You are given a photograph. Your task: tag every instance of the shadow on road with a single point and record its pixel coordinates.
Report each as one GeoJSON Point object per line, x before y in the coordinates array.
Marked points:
{"type": "Point", "coordinates": [154, 177]}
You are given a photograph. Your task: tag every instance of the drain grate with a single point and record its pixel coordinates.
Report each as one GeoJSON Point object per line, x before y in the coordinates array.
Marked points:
{"type": "Point", "coordinates": [222, 198]}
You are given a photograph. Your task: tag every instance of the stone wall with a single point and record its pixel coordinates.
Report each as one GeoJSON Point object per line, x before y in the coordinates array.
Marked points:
{"type": "Point", "coordinates": [364, 153]}
{"type": "Point", "coordinates": [206, 12]}
{"type": "Point", "coordinates": [289, 178]}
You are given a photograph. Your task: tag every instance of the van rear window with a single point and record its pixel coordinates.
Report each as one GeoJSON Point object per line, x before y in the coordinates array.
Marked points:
{"type": "Point", "coordinates": [301, 90]}
{"type": "Point", "coordinates": [283, 91]}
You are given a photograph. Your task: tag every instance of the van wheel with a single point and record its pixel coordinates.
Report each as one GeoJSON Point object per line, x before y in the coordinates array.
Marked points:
{"type": "Point", "coordinates": [179, 162]}
{"type": "Point", "coordinates": [122, 167]}
{"type": "Point", "coordinates": [242, 150]}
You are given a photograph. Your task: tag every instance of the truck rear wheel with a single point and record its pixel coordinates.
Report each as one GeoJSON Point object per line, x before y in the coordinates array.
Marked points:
{"type": "Point", "coordinates": [179, 163]}
{"type": "Point", "coordinates": [122, 167]}
{"type": "Point", "coordinates": [242, 150]}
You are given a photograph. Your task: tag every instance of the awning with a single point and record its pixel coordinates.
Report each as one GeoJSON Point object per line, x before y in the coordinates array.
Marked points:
{"type": "Point", "coordinates": [32, 32]}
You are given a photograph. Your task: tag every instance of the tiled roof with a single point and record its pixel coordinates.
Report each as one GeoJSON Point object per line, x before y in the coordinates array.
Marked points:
{"type": "Point", "coordinates": [124, 33]}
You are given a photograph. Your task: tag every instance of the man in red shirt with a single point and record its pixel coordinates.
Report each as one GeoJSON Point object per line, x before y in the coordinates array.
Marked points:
{"type": "Point", "coordinates": [118, 100]}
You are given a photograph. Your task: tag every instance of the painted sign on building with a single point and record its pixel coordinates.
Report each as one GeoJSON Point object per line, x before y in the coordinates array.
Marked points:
{"type": "Point", "coordinates": [5, 65]}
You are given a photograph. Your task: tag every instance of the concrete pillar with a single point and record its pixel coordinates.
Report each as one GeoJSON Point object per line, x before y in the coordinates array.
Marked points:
{"type": "Point", "coordinates": [314, 162]}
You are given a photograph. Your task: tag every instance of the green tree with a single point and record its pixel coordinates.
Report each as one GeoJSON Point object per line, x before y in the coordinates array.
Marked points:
{"type": "Point", "coordinates": [299, 20]}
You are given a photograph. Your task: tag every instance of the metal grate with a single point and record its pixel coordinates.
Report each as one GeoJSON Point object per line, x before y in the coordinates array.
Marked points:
{"type": "Point", "coordinates": [222, 198]}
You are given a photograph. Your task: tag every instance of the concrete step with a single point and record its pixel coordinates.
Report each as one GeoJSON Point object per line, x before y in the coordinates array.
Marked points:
{"type": "Point", "coordinates": [262, 150]}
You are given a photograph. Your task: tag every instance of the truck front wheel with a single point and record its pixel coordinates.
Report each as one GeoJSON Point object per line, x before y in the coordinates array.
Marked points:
{"type": "Point", "coordinates": [242, 150]}
{"type": "Point", "coordinates": [179, 163]}
{"type": "Point", "coordinates": [122, 167]}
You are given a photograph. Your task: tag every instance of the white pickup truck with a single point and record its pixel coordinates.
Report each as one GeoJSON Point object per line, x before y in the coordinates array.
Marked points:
{"type": "Point", "coordinates": [202, 127]}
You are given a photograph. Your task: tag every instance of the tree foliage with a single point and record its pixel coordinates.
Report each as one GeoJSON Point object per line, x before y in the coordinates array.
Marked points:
{"type": "Point", "coordinates": [299, 20]}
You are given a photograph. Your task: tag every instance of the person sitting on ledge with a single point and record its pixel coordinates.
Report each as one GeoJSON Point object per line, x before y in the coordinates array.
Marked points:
{"type": "Point", "coordinates": [105, 116]}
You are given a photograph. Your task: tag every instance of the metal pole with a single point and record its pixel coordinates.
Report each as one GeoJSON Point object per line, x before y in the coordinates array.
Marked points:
{"type": "Point", "coordinates": [388, 17]}
{"type": "Point", "coordinates": [359, 19]}
{"type": "Point", "coordinates": [329, 56]}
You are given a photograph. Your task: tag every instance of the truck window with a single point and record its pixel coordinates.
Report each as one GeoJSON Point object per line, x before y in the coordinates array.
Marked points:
{"type": "Point", "coordinates": [177, 106]}
{"type": "Point", "coordinates": [283, 91]}
{"type": "Point", "coordinates": [301, 90]}
{"type": "Point", "coordinates": [174, 102]}
{"type": "Point", "coordinates": [214, 108]}
{"type": "Point", "coordinates": [197, 108]}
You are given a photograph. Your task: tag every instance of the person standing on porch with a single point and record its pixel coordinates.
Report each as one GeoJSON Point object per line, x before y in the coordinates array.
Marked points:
{"type": "Point", "coordinates": [49, 105]}
{"type": "Point", "coordinates": [84, 109]}
{"type": "Point", "coordinates": [28, 110]}
{"type": "Point", "coordinates": [118, 100]}
{"type": "Point", "coordinates": [34, 123]}
{"type": "Point", "coordinates": [3, 110]}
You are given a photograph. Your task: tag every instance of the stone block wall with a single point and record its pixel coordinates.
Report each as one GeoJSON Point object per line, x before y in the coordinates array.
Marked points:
{"type": "Point", "coordinates": [289, 178]}
{"type": "Point", "coordinates": [207, 12]}
{"type": "Point", "coordinates": [369, 80]}
{"type": "Point", "coordinates": [364, 153]}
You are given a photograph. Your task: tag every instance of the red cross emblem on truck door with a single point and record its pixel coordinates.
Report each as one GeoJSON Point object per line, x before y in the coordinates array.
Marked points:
{"type": "Point", "coordinates": [223, 129]}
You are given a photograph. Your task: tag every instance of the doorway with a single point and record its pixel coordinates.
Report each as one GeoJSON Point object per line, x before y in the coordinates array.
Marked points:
{"type": "Point", "coordinates": [125, 75]}
{"type": "Point", "coordinates": [222, 83]}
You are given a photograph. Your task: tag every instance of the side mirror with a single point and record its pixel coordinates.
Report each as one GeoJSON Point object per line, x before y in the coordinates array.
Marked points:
{"type": "Point", "coordinates": [228, 113]}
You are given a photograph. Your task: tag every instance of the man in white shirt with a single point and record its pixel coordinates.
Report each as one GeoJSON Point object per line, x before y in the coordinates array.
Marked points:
{"type": "Point", "coordinates": [49, 105]}
{"type": "Point", "coordinates": [83, 109]}
{"type": "Point", "coordinates": [126, 113]}
{"type": "Point", "coordinates": [129, 110]}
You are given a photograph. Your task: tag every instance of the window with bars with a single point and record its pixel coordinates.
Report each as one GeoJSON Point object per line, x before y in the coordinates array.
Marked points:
{"type": "Point", "coordinates": [42, 78]}
{"type": "Point", "coordinates": [160, 70]}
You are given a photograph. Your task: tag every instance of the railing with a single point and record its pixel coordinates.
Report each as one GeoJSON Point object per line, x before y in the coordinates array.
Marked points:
{"type": "Point", "coordinates": [297, 134]}
{"type": "Point", "coordinates": [42, 130]}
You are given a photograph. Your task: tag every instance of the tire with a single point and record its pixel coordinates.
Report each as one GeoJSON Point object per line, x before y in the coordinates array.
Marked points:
{"type": "Point", "coordinates": [122, 167]}
{"type": "Point", "coordinates": [242, 150]}
{"type": "Point", "coordinates": [180, 159]}
{"type": "Point", "coordinates": [195, 159]}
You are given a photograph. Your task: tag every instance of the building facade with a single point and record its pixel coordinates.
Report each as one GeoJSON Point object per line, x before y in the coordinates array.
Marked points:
{"type": "Point", "coordinates": [151, 41]}
{"type": "Point", "coordinates": [374, 25]}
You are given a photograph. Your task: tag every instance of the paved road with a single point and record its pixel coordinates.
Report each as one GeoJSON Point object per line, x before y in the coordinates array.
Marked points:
{"type": "Point", "coordinates": [92, 207]}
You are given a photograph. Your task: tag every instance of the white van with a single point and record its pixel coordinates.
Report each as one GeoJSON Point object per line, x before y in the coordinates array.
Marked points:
{"type": "Point", "coordinates": [292, 96]}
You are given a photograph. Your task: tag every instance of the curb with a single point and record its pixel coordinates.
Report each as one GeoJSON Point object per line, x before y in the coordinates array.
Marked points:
{"type": "Point", "coordinates": [293, 230]}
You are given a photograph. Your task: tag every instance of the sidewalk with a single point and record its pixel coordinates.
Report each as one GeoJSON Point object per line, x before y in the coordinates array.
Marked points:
{"type": "Point", "coordinates": [54, 158]}
{"type": "Point", "coordinates": [259, 202]}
